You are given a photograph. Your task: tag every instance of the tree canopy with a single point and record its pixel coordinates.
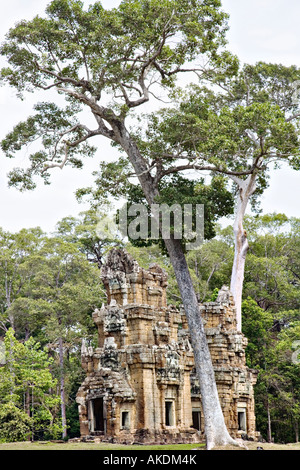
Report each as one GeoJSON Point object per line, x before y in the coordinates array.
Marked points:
{"type": "Point", "coordinates": [109, 60]}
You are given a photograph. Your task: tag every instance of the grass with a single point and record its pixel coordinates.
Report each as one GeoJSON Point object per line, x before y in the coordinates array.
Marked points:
{"type": "Point", "coordinates": [92, 446]}
{"type": "Point", "coordinates": [115, 447]}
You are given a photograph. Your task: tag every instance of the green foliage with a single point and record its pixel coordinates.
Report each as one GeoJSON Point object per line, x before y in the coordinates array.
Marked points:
{"type": "Point", "coordinates": [272, 267]}
{"type": "Point", "coordinates": [210, 267]}
{"type": "Point", "coordinates": [44, 126]}
{"type": "Point", "coordinates": [270, 312]}
{"type": "Point", "coordinates": [27, 383]}
{"type": "Point", "coordinates": [217, 201]}
{"type": "Point", "coordinates": [257, 324]}
{"type": "Point", "coordinates": [41, 275]}
{"type": "Point", "coordinates": [278, 387]}
{"type": "Point", "coordinates": [17, 269]}
{"type": "Point", "coordinates": [15, 424]}
{"type": "Point", "coordinates": [271, 322]}
{"type": "Point", "coordinates": [214, 295]}
{"type": "Point", "coordinates": [112, 43]}
{"type": "Point", "coordinates": [84, 232]}
{"type": "Point", "coordinates": [235, 133]}
{"type": "Point", "coordinates": [49, 289]}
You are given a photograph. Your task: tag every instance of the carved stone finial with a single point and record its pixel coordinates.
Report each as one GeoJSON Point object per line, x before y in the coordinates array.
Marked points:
{"type": "Point", "coordinates": [224, 295]}
{"type": "Point", "coordinates": [118, 262]}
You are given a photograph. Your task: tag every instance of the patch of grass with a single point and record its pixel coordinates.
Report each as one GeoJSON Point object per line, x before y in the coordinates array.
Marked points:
{"type": "Point", "coordinates": [93, 446]}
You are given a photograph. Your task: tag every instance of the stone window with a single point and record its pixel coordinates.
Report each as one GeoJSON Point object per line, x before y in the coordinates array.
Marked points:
{"type": "Point", "coordinates": [125, 421]}
{"type": "Point", "coordinates": [169, 413]}
{"type": "Point", "coordinates": [196, 415]}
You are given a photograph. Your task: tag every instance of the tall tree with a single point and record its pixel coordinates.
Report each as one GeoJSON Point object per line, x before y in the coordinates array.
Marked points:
{"type": "Point", "coordinates": [70, 288]}
{"type": "Point", "coordinates": [16, 271]}
{"type": "Point", "coordinates": [111, 62]}
{"type": "Point", "coordinates": [241, 132]}
{"type": "Point", "coordinates": [27, 385]}
{"type": "Point", "coordinates": [48, 289]}
{"type": "Point", "coordinates": [272, 270]}
{"type": "Point", "coordinates": [84, 231]}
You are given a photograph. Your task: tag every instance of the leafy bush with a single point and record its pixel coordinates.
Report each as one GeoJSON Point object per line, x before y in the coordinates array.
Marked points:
{"type": "Point", "coordinates": [15, 425]}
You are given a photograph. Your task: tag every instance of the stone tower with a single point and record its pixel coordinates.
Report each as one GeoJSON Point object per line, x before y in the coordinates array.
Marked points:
{"type": "Point", "coordinates": [140, 382]}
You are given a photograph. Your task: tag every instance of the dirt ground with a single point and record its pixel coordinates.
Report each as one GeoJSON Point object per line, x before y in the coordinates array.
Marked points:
{"type": "Point", "coordinates": [250, 445]}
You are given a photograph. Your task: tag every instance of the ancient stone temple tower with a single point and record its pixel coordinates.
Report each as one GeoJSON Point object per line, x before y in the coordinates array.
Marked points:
{"type": "Point", "coordinates": [140, 384]}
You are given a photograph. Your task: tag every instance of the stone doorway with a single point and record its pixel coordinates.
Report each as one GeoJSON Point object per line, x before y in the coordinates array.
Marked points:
{"type": "Point", "coordinates": [97, 416]}
{"type": "Point", "coordinates": [196, 416]}
{"type": "Point", "coordinates": [242, 423]}
{"type": "Point", "coordinates": [169, 413]}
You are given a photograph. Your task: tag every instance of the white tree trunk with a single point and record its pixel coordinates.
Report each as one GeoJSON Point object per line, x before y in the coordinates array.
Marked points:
{"type": "Point", "coordinates": [246, 189]}
{"type": "Point", "coordinates": [62, 388]}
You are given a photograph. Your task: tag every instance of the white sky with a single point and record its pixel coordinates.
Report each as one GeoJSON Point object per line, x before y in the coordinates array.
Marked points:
{"type": "Point", "coordinates": [266, 30]}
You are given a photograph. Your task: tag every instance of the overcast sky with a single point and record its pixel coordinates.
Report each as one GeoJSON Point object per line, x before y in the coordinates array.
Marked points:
{"type": "Point", "coordinates": [266, 30]}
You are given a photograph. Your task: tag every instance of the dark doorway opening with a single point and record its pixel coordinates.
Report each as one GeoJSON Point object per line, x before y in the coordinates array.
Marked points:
{"type": "Point", "coordinates": [242, 421]}
{"type": "Point", "coordinates": [196, 420]}
{"type": "Point", "coordinates": [99, 424]}
{"type": "Point", "coordinates": [125, 420]}
{"type": "Point", "coordinates": [169, 413]}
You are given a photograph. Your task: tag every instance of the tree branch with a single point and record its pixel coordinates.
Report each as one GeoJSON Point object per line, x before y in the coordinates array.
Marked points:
{"type": "Point", "coordinates": [294, 116]}
{"type": "Point", "coordinates": [143, 172]}
{"type": "Point", "coordinates": [99, 112]}
{"type": "Point", "coordinates": [147, 65]}
{"type": "Point", "coordinates": [195, 166]}
{"type": "Point", "coordinates": [57, 165]}
{"type": "Point", "coordinates": [60, 78]}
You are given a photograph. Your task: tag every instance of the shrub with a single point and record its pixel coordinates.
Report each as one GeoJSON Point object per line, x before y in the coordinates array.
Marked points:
{"type": "Point", "coordinates": [15, 425]}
